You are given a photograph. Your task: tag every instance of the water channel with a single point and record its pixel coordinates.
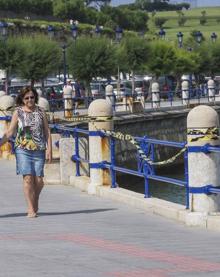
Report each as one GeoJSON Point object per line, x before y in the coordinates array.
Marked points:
{"type": "Point", "coordinates": [162, 190]}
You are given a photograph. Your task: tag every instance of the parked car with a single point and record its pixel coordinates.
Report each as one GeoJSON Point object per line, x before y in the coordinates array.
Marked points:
{"type": "Point", "coordinates": [97, 89]}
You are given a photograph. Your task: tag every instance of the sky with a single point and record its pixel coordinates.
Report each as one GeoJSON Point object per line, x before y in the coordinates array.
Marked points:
{"type": "Point", "coordinates": [200, 3]}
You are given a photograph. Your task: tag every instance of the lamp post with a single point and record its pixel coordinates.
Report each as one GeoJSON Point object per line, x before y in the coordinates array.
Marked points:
{"type": "Point", "coordinates": [162, 33]}
{"type": "Point", "coordinates": [64, 63]}
{"type": "Point", "coordinates": [3, 37]}
{"type": "Point", "coordinates": [213, 37]}
{"type": "Point", "coordinates": [74, 30]}
{"type": "Point", "coordinates": [198, 37]}
{"type": "Point", "coordinates": [180, 39]}
{"type": "Point", "coordinates": [98, 30]}
{"type": "Point", "coordinates": [51, 31]}
{"type": "Point", "coordinates": [118, 34]}
{"type": "Point", "coordinates": [3, 30]}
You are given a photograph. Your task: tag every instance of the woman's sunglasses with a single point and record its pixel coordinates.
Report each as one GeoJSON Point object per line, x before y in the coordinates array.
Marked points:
{"type": "Point", "coordinates": [29, 97]}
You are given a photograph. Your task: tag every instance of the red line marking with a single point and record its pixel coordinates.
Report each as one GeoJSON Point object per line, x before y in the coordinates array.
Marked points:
{"type": "Point", "coordinates": [177, 263]}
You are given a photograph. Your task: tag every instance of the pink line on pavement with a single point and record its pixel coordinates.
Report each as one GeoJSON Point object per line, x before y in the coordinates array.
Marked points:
{"type": "Point", "coordinates": [180, 263]}
{"type": "Point", "coordinates": [177, 263]}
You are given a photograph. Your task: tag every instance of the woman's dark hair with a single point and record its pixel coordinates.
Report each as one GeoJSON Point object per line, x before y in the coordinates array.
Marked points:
{"type": "Point", "coordinates": [21, 95]}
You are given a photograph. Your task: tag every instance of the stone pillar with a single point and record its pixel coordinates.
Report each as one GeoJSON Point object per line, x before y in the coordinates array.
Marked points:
{"type": "Point", "coordinates": [68, 102]}
{"type": "Point", "coordinates": [6, 104]}
{"type": "Point", "coordinates": [109, 95]}
{"type": "Point", "coordinates": [203, 167]}
{"type": "Point", "coordinates": [44, 104]}
{"type": "Point", "coordinates": [99, 147]}
{"type": "Point", "coordinates": [66, 148]}
{"type": "Point", "coordinates": [2, 93]}
{"type": "Point", "coordinates": [185, 93]}
{"type": "Point", "coordinates": [156, 95]}
{"type": "Point", "coordinates": [211, 91]}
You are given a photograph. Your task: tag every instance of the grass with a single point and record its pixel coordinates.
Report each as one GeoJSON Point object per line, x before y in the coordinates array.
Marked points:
{"type": "Point", "coordinates": [172, 28]}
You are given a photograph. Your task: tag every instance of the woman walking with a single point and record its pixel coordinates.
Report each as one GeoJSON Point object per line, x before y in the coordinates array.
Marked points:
{"type": "Point", "coordinates": [32, 143]}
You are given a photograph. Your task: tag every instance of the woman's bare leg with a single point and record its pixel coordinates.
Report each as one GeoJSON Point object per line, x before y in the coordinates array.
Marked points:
{"type": "Point", "coordinates": [39, 184]}
{"type": "Point", "coordinates": [29, 193]}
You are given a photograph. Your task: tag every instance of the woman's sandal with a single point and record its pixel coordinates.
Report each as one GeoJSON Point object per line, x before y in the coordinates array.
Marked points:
{"type": "Point", "coordinates": [32, 215]}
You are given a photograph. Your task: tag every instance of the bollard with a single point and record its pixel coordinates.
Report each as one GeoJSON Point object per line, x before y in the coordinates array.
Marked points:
{"type": "Point", "coordinates": [6, 103]}
{"type": "Point", "coordinates": [44, 104]}
{"type": "Point", "coordinates": [185, 93]}
{"type": "Point", "coordinates": [156, 95]}
{"type": "Point", "coordinates": [99, 147]}
{"type": "Point", "coordinates": [203, 167]}
{"type": "Point", "coordinates": [68, 102]}
{"type": "Point", "coordinates": [211, 91]}
{"type": "Point", "coordinates": [2, 93]}
{"type": "Point", "coordinates": [109, 95]}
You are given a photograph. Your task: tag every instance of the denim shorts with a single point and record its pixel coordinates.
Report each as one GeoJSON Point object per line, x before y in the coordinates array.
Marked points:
{"type": "Point", "coordinates": [30, 162]}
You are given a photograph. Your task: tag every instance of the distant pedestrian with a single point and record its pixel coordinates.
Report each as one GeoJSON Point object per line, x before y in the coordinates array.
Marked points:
{"type": "Point", "coordinates": [33, 141]}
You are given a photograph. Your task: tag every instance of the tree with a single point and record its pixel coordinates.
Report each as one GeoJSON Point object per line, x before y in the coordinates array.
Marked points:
{"type": "Point", "coordinates": [159, 21]}
{"type": "Point", "coordinates": [41, 58]}
{"type": "Point", "coordinates": [203, 18]}
{"type": "Point", "coordinates": [186, 62]}
{"type": "Point", "coordinates": [90, 58]}
{"type": "Point", "coordinates": [11, 55]}
{"type": "Point", "coordinates": [134, 55]}
{"type": "Point", "coordinates": [162, 58]}
{"type": "Point", "coordinates": [69, 9]}
{"type": "Point", "coordinates": [181, 18]}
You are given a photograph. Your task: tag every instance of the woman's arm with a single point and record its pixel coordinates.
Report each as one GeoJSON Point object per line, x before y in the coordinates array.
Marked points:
{"type": "Point", "coordinates": [48, 139]}
{"type": "Point", "coordinates": [11, 130]}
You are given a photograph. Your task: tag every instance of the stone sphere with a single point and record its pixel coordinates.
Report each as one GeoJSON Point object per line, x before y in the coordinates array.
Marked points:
{"type": "Point", "coordinates": [185, 85]}
{"type": "Point", "coordinates": [100, 107]}
{"type": "Point", "coordinates": [211, 84]}
{"type": "Point", "coordinates": [155, 87]}
{"type": "Point", "coordinates": [39, 92]}
{"type": "Point", "coordinates": [7, 102]}
{"type": "Point", "coordinates": [2, 92]}
{"type": "Point", "coordinates": [44, 104]}
{"type": "Point", "coordinates": [109, 89]}
{"type": "Point", "coordinates": [202, 116]}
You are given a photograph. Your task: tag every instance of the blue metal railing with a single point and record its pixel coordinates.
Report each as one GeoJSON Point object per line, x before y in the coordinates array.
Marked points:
{"type": "Point", "coordinates": [145, 169]}
{"type": "Point", "coordinates": [167, 99]}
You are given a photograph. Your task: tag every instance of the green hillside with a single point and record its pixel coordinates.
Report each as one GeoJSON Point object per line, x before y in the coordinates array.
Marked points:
{"type": "Point", "coordinates": [171, 26]}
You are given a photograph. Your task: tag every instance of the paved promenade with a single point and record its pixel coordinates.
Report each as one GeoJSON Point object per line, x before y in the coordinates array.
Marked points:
{"type": "Point", "coordinates": [77, 235]}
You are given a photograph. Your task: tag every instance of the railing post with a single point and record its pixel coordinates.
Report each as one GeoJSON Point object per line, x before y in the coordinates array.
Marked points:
{"type": "Point", "coordinates": [77, 152]}
{"type": "Point", "coordinates": [156, 95]}
{"type": "Point", "coordinates": [99, 147]}
{"type": "Point", "coordinates": [185, 93]}
{"type": "Point", "coordinates": [211, 91]}
{"type": "Point", "coordinates": [113, 177]}
{"type": "Point", "coordinates": [203, 167]}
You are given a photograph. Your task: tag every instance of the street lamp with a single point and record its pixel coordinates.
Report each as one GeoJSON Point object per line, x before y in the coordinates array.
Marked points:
{"type": "Point", "coordinates": [51, 31]}
{"type": "Point", "coordinates": [98, 30]}
{"type": "Point", "coordinates": [180, 39]}
{"type": "Point", "coordinates": [3, 30]}
{"type": "Point", "coordinates": [64, 63]}
{"type": "Point", "coordinates": [198, 36]}
{"type": "Point", "coordinates": [118, 34]}
{"type": "Point", "coordinates": [162, 33]}
{"type": "Point", "coordinates": [74, 30]}
{"type": "Point", "coordinates": [213, 37]}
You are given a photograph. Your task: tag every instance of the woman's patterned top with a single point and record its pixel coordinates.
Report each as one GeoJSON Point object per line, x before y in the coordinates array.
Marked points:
{"type": "Point", "coordinates": [30, 134]}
